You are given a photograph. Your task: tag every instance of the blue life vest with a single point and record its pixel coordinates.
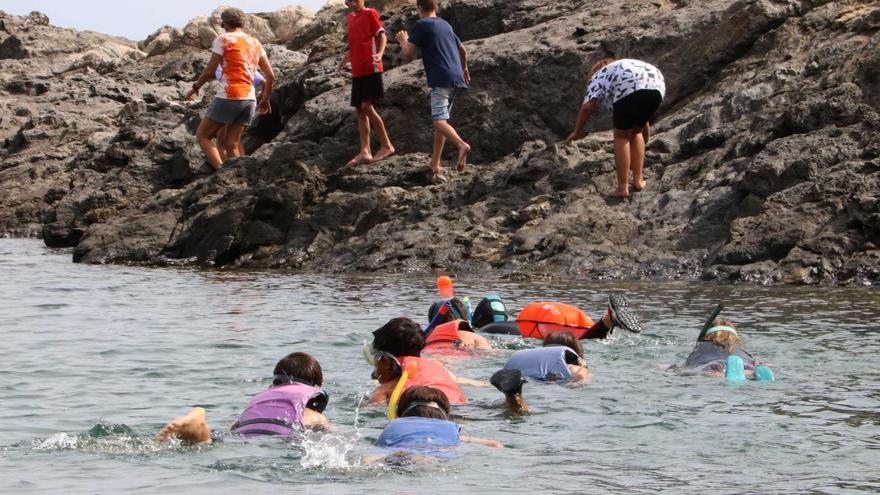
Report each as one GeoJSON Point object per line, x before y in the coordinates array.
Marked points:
{"type": "Point", "coordinates": [544, 363]}
{"type": "Point", "coordinates": [419, 432]}
{"type": "Point", "coordinates": [709, 356]}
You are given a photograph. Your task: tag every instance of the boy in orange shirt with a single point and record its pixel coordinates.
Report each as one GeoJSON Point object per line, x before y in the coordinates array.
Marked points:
{"type": "Point", "coordinates": [366, 44]}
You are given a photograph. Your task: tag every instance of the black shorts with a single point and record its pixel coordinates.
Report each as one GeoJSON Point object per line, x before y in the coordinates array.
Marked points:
{"type": "Point", "coordinates": [367, 88]}
{"type": "Point", "coordinates": [636, 109]}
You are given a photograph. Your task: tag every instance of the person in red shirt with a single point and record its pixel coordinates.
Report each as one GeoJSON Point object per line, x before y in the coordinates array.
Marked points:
{"type": "Point", "coordinates": [366, 44]}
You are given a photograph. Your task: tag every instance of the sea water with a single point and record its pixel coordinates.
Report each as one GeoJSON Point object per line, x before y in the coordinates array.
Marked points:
{"type": "Point", "coordinates": [95, 359]}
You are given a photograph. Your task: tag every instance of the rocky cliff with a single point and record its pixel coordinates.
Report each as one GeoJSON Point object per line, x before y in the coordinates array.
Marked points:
{"type": "Point", "coordinates": [764, 167]}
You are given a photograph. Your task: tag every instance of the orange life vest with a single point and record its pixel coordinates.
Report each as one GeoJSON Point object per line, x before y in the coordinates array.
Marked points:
{"type": "Point", "coordinates": [444, 335]}
{"type": "Point", "coordinates": [538, 319]}
{"type": "Point", "coordinates": [430, 373]}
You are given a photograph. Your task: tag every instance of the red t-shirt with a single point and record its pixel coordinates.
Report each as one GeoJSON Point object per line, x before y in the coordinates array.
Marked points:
{"type": "Point", "coordinates": [363, 27]}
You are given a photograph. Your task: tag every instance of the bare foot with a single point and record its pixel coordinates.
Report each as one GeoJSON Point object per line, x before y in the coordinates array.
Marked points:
{"type": "Point", "coordinates": [639, 185]}
{"type": "Point", "coordinates": [382, 154]}
{"type": "Point", "coordinates": [620, 194]}
{"type": "Point", "coordinates": [360, 158]}
{"type": "Point", "coordinates": [190, 428]}
{"type": "Point", "coordinates": [462, 157]}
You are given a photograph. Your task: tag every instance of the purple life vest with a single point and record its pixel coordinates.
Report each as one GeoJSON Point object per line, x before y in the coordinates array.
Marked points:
{"type": "Point", "coordinates": [276, 410]}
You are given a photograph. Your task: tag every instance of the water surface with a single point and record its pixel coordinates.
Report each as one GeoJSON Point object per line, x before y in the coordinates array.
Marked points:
{"type": "Point", "coordinates": [95, 359]}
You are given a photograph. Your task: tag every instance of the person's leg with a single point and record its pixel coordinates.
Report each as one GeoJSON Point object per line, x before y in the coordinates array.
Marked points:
{"type": "Point", "coordinates": [220, 142]}
{"type": "Point", "coordinates": [385, 147]}
{"type": "Point", "coordinates": [622, 162]}
{"type": "Point", "coordinates": [637, 157]}
{"type": "Point", "coordinates": [437, 152]}
{"type": "Point", "coordinates": [443, 128]}
{"type": "Point", "coordinates": [193, 427]}
{"type": "Point", "coordinates": [364, 155]}
{"type": "Point", "coordinates": [205, 135]}
{"type": "Point", "coordinates": [233, 136]}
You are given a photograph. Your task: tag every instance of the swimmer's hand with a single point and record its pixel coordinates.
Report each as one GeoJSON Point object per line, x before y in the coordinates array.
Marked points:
{"type": "Point", "coordinates": [495, 444]}
{"type": "Point", "coordinates": [265, 107]}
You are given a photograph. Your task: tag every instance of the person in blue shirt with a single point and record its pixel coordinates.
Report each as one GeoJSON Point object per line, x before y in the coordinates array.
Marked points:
{"type": "Point", "coordinates": [445, 60]}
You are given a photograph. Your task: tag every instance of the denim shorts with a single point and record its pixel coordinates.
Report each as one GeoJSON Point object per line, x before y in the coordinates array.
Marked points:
{"type": "Point", "coordinates": [441, 103]}
{"type": "Point", "coordinates": [225, 111]}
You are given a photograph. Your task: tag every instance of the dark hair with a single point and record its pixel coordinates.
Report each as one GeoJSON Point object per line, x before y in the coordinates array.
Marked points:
{"type": "Point", "coordinates": [299, 366]}
{"type": "Point", "coordinates": [423, 394]}
{"type": "Point", "coordinates": [427, 5]}
{"type": "Point", "coordinates": [564, 339]}
{"type": "Point", "coordinates": [233, 18]}
{"type": "Point", "coordinates": [450, 315]}
{"type": "Point", "coordinates": [399, 337]}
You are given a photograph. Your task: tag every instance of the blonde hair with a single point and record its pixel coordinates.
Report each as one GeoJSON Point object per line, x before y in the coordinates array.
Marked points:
{"type": "Point", "coordinates": [727, 340]}
{"type": "Point", "coordinates": [598, 65]}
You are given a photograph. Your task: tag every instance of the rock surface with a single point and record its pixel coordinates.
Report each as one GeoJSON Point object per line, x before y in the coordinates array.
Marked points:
{"type": "Point", "coordinates": [764, 165]}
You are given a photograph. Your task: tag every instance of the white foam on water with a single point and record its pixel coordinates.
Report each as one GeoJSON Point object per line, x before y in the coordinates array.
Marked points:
{"type": "Point", "coordinates": [327, 450]}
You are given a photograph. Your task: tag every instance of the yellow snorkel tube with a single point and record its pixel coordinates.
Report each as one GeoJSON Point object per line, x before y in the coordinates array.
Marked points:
{"type": "Point", "coordinates": [409, 371]}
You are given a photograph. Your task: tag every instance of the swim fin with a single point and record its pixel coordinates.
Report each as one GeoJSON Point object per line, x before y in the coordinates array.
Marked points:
{"type": "Point", "coordinates": [735, 369]}
{"type": "Point", "coordinates": [763, 374]}
{"type": "Point", "coordinates": [508, 381]}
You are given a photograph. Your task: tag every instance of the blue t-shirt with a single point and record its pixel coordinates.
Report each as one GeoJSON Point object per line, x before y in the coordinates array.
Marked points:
{"type": "Point", "coordinates": [438, 45]}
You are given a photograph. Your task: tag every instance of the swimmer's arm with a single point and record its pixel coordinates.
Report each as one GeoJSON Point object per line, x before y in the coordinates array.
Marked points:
{"type": "Point", "coordinates": [382, 393]}
{"type": "Point", "coordinates": [467, 381]}
{"type": "Point", "coordinates": [315, 420]}
{"type": "Point", "coordinates": [481, 342]}
{"type": "Point", "coordinates": [579, 373]}
{"type": "Point", "coordinates": [482, 441]}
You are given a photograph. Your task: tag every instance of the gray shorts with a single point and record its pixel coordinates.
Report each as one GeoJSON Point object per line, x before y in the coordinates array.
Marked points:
{"type": "Point", "coordinates": [226, 111]}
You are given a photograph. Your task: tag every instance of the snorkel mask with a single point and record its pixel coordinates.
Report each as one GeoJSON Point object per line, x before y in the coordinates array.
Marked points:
{"type": "Point", "coordinates": [373, 357]}
{"type": "Point", "coordinates": [431, 404]}
{"type": "Point", "coordinates": [316, 403]}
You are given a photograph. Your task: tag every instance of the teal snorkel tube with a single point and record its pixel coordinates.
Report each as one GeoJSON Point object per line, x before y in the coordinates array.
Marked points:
{"type": "Point", "coordinates": [706, 326]}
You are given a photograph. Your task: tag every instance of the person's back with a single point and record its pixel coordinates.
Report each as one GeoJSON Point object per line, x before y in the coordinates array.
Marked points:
{"type": "Point", "coordinates": [438, 45]}
{"type": "Point", "coordinates": [241, 57]}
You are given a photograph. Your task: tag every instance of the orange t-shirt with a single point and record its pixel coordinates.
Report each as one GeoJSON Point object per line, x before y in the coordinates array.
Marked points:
{"type": "Point", "coordinates": [241, 56]}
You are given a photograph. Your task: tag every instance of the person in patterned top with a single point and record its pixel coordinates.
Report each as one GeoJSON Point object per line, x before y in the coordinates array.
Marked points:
{"type": "Point", "coordinates": [366, 44]}
{"type": "Point", "coordinates": [236, 101]}
{"type": "Point", "coordinates": [632, 90]}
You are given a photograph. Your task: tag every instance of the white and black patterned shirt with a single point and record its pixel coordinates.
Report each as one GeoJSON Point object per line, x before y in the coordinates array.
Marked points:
{"type": "Point", "coordinates": [622, 78]}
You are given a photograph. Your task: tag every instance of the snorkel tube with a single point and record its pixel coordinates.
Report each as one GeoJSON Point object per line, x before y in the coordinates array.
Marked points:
{"type": "Point", "coordinates": [407, 372]}
{"type": "Point", "coordinates": [706, 326]}
{"type": "Point", "coordinates": [444, 286]}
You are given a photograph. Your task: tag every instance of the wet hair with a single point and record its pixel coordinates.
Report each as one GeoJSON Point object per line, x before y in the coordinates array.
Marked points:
{"type": "Point", "coordinates": [726, 340]}
{"type": "Point", "coordinates": [565, 339]}
{"type": "Point", "coordinates": [423, 394]}
{"type": "Point", "coordinates": [399, 337]}
{"type": "Point", "coordinates": [427, 5]}
{"type": "Point", "coordinates": [598, 65]}
{"type": "Point", "coordinates": [450, 315]}
{"type": "Point", "coordinates": [233, 18]}
{"type": "Point", "coordinates": [298, 366]}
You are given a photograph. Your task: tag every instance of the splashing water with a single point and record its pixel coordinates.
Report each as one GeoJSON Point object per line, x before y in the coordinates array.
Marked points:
{"type": "Point", "coordinates": [327, 450]}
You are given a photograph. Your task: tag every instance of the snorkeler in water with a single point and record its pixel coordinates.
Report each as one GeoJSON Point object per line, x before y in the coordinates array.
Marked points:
{"type": "Point", "coordinates": [294, 401]}
{"type": "Point", "coordinates": [422, 420]}
{"type": "Point", "coordinates": [396, 349]}
{"type": "Point", "coordinates": [541, 318]}
{"type": "Point", "coordinates": [452, 330]}
{"type": "Point", "coordinates": [560, 359]}
{"type": "Point", "coordinates": [720, 352]}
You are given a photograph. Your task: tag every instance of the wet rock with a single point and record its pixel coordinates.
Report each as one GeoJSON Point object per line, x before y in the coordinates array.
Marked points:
{"type": "Point", "coordinates": [762, 168]}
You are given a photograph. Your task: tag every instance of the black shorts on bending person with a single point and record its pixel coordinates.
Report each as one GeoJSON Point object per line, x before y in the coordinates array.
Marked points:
{"type": "Point", "coordinates": [636, 109]}
{"type": "Point", "coordinates": [367, 88]}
